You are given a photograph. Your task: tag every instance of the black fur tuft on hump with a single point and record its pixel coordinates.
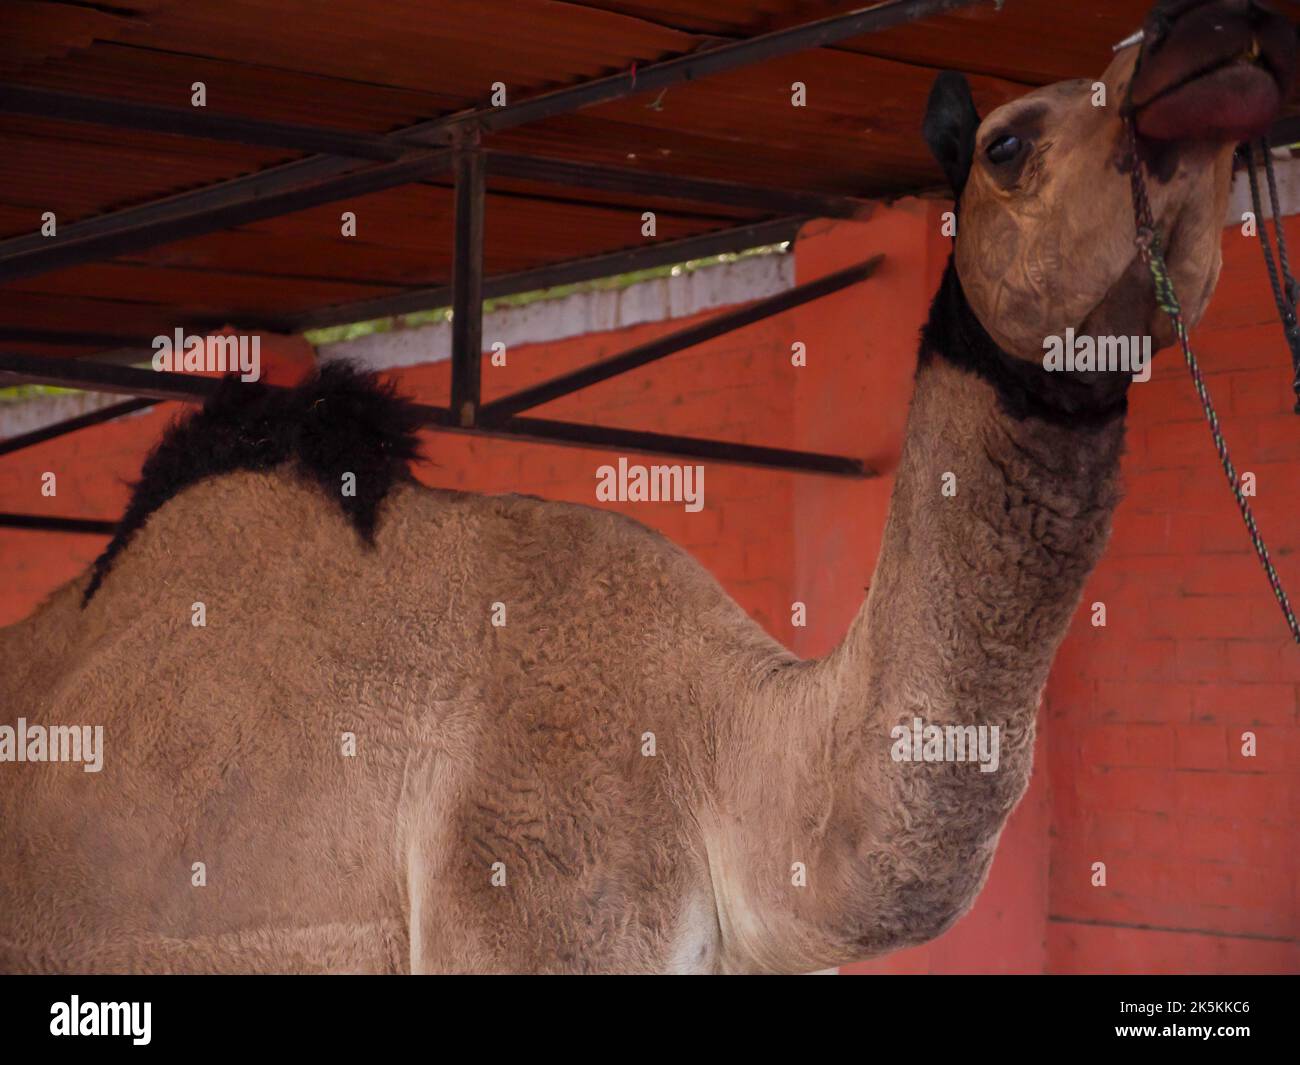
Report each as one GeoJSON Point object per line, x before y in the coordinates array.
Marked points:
{"type": "Point", "coordinates": [337, 421]}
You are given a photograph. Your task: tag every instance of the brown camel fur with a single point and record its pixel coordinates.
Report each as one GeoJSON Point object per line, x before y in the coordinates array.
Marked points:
{"type": "Point", "coordinates": [501, 812]}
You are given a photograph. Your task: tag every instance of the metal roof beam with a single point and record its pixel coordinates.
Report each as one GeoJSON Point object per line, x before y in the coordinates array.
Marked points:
{"type": "Point", "coordinates": [193, 214]}
{"type": "Point", "coordinates": [153, 384]}
{"type": "Point", "coordinates": [661, 347]}
{"type": "Point", "coordinates": [87, 338]}
{"type": "Point", "coordinates": [467, 281]}
{"type": "Point", "coordinates": [707, 61]}
{"type": "Point", "coordinates": [49, 523]}
{"type": "Point", "coordinates": [674, 186]}
{"type": "Point", "coordinates": [198, 122]}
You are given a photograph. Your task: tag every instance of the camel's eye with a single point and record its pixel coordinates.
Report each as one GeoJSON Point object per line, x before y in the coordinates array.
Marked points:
{"type": "Point", "coordinates": [1004, 149]}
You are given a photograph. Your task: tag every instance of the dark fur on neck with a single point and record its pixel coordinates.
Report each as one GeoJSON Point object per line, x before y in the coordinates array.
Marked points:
{"type": "Point", "coordinates": [1024, 389]}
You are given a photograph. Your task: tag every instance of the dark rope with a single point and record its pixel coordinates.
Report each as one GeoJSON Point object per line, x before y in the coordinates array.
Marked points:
{"type": "Point", "coordinates": [1276, 210]}
{"type": "Point", "coordinates": [1149, 248]}
{"type": "Point", "coordinates": [1285, 293]}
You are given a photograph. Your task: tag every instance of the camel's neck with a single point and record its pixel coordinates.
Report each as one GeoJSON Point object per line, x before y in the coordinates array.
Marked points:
{"type": "Point", "coordinates": [1001, 509]}
{"type": "Point", "coordinates": [995, 523]}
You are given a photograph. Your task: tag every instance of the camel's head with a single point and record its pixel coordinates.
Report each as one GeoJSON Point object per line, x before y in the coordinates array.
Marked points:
{"type": "Point", "coordinates": [1045, 231]}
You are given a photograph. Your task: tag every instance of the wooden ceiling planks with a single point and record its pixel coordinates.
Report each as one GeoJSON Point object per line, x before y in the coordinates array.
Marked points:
{"type": "Point", "coordinates": [370, 67]}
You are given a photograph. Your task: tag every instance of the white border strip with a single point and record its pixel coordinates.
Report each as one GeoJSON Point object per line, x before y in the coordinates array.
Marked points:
{"type": "Point", "coordinates": [27, 415]}
{"type": "Point", "coordinates": [546, 321]}
{"type": "Point", "coordinates": [1287, 171]}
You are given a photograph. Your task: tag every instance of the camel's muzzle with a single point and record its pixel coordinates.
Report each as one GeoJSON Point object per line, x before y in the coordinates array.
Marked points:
{"type": "Point", "coordinates": [1211, 70]}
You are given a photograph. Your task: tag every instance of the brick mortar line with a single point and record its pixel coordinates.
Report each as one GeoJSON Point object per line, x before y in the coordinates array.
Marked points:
{"type": "Point", "coordinates": [1056, 918]}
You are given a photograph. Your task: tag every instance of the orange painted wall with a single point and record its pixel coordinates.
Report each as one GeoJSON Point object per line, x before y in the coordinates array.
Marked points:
{"type": "Point", "coordinates": [1134, 763]}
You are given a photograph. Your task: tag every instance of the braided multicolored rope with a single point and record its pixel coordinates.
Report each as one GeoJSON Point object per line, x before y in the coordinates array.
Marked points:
{"type": "Point", "coordinates": [1151, 252]}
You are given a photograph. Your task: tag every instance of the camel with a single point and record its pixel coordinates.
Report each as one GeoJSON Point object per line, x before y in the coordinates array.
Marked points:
{"type": "Point", "coordinates": [431, 731]}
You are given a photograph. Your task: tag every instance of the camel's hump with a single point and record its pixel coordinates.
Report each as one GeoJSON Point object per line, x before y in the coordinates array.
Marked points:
{"type": "Point", "coordinates": [339, 421]}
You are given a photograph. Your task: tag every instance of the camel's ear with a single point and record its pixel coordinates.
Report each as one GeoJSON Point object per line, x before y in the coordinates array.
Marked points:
{"type": "Point", "coordinates": [950, 125]}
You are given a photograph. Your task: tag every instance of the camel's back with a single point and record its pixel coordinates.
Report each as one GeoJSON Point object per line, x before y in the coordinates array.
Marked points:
{"type": "Point", "coordinates": [381, 755]}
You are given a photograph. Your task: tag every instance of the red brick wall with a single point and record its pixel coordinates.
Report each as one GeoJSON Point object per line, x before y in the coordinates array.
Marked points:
{"type": "Point", "coordinates": [1147, 714]}
{"type": "Point", "coordinates": [1135, 763]}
